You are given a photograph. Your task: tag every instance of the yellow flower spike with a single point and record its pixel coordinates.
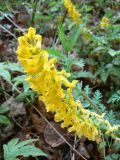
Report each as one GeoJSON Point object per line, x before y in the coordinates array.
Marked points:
{"type": "Point", "coordinates": [46, 80]}
{"type": "Point", "coordinates": [73, 13]}
{"type": "Point", "coordinates": [104, 23]}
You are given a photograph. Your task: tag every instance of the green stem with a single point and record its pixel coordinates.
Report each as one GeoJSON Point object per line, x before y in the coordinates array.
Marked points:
{"type": "Point", "coordinates": [34, 12]}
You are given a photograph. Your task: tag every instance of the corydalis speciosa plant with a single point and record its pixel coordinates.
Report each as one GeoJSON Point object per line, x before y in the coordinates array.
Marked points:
{"type": "Point", "coordinates": [46, 80]}
{"type": "Point", "coordinates": [73, 13]}
{"type": "Point", "coordinates": [76, 18]}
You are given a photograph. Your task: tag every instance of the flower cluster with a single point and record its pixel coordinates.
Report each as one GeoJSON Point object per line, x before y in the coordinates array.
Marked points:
{"type": "Point", "coordinates": [73, 13]}
{"type": "Point", "coordinates": [104, 22]}
{"type": "Point", "coordinates": [56, 91]}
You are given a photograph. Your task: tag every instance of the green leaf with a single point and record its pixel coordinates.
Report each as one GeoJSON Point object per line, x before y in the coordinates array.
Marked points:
{"type": "Point", "coordinates": [63, 39]}
{"type": "Point", "coordinates": [11, 149]}
{"type": "Point", "coordinates": [108, 158]}
{"type": "Point", "coordinates": [21, 80]}
{"type": "Point", "coordinates": [75, 36]}
{"type": "Point", "coordinates": [55, 53]}
{"type": "Point", "coordinates": [84, 74]}
{"type": "Point", "coordinates": [4, 109]}
{"type": "Point", "coordinates": [5, 67]}
{"type": "Point", "coordinates": [104, 75]}
{"type": "Point", "coordinates": [114, 71]}
{"type": "Point", "coordinates": [5, 74]}
{"type": "Point", "coordinates": [100, 49]}
{"type": "Point", "coordinates": [4, 120]}
{"type": "Point", "coordinates": [14, 67]}
{"type": "Point", "coordinates": [23, 143]}
{"type": "Point", "coordinates": [12, 143]}
{"type": "Point", "coordinates": [79, 63]}
{"type": "Point", "coordinates": [102, 145]}
{"type": "Point", "coordinates": [27, 151]}
{"type": "Point", "coordinates": [115, 156]}
{"type": "Point", "coordinates": [115, 97]}
{"type": "Point", "coordinates": [113, 52]}
{"type": "Point", "coordinates": [24, 95]}
{"type": "Point", "coordinates": [14, 149]}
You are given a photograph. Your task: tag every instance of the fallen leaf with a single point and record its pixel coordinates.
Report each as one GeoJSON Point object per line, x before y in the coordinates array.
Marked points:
{"type": "Point", "coordinates": [15, 108]}
{"type": "Point", "coordinates": [51, 137]}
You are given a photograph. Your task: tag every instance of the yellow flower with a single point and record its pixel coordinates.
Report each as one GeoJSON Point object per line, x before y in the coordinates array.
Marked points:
{"type": "Point", "coordinates": [73, 13]}
{"type": "Point", "coordinates": [104, 22]}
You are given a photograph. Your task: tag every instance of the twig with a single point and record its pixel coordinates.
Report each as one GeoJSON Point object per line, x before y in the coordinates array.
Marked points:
{"type": "Point", "coordinates": [8, 31]}
{"type": "Point", "coordinates": [12, 22]}
{"type": "Point", "coordinates": [75, 139]}
{"type": "Point", "coordinates": [17, 122]}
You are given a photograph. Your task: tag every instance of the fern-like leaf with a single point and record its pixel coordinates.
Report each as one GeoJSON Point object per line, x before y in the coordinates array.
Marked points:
{"type": "Point", "coordinates": [14, 148]}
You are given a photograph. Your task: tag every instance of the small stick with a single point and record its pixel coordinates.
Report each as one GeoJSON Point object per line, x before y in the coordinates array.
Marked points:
{"type": "Point", "coordinates": [75, 139]}
{"type": "Point", "coordinates": [12, 22]}
{"type": "Point", "coordinates": [8, 31]}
